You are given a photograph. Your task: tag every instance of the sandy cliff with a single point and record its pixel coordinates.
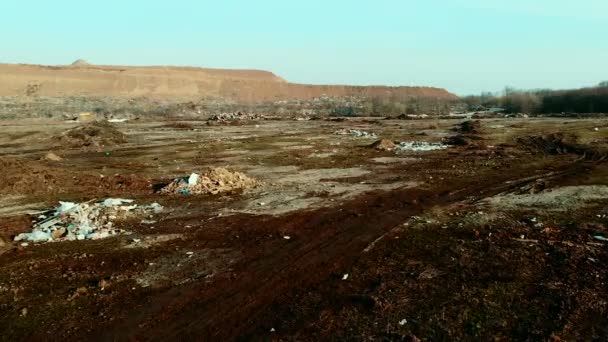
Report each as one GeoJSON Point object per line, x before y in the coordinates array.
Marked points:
{"type": "Point", "coordinates": [182, 82]}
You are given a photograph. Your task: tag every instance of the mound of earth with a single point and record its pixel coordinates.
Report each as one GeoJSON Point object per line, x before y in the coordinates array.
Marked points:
{"type": "Point", "coordinates": [467, 134]}
{"type": "Point", "coordinates": [97, 134]}
{"type": "Point", "coordinates": [215, 181]}
{"type": "Point", "coordinates": [469, 127]}
{"type": "Point", "coordinates": [560, 143]}
{"type": "Point", "coordinates": [50, 156]}
{"type": "Point", "coordinates": [80, 62]}
{"type": "Point", "coordinates": [39, 177]}
{"type": "Point", "coordinates": [383, 145]}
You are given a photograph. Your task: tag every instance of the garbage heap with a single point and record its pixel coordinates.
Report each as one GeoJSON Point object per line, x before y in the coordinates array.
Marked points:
{"type": "Point", "coordinates": [356, 133]}
{"type": "Point", "coordinates": [419, 146]}
{"type": "Point", "coordinates": [238, 116]}
{"type": "Point", "coordinates": [215, 181]}
{"type": "Point", "coordinates": [89, 220]}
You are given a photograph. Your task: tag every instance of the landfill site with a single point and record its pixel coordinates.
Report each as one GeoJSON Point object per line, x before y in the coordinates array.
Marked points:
{"type": "Point", "coordinates": [213, 220]}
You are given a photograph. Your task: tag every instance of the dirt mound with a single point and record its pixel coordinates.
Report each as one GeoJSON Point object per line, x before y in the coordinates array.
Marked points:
{"type": "Point", "coordinates": [468, 134]}
{"type": "Point", "coordinates": [80, 62]}
{"type": "Point", "coordinates": [560, 143]}
{"type": "Point", "coordinates": [39, 177]}
{"type": "Point", "coordinates": [383, 145]}
{"type": "Point", "coordinates": [215, 181]}
{"type": "Point", "coordinates": [97, 134]}
{"type": "Point", "coordinates": [50, 156]}
{"type": "Point", "coordinates": [469, 127]}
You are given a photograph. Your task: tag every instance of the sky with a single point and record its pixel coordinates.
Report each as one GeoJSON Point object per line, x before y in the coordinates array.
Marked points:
{"type": "Point", "coordinates": [465, 46]}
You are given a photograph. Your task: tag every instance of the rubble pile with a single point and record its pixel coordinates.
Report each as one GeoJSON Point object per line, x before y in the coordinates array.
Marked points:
{"type": "Point", "coordinates": [419, 146]}
{"type": "Point", "coordinates": [356, 133]}
{"type": "Point", "coordinates": [215, 181]}
{"type": "Point", "coordinates": [89, 220]}
{"type": "Point", "coordinates": [238, 116]}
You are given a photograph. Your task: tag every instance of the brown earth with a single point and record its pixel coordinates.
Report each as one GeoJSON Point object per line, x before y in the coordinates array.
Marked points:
{"type": "Point", "coordinates": [369, 251]}
{"type": "Point", "coordinates": [181, 82]}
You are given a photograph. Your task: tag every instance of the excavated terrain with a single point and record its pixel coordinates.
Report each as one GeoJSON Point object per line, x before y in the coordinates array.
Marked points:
{"type": "Point", "coordinates": [501, 238]}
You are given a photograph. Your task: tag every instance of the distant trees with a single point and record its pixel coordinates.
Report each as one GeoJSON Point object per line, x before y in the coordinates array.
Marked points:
{"type": "Point", "coordinates": [585, 100]}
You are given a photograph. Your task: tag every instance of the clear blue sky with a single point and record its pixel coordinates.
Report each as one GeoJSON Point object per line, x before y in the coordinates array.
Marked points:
{"type": "Point", "coordinates": [465, 46]}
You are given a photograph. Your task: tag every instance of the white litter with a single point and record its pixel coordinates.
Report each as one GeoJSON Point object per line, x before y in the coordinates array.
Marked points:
{"type": "Point", "coordinates": [600, 238]}
{"type": "Point", "coordinates": [344, 277]}
{"type": "Point", "coordinates": [403, 322]}
{"type": "Point", "coordinates": [89, 220]}
{"type": "Point", "coordinates": [193, 179]}
{"type": "Point", "coordinates": [356, 133]}
{"type": "Point", "coordinates": [419, 146]}
{"type": "Point", "coordinates": [286, 237]}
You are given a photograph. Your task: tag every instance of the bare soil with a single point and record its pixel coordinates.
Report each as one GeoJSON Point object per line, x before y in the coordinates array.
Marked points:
{"type": "Point", "coordinates": [341, 242]}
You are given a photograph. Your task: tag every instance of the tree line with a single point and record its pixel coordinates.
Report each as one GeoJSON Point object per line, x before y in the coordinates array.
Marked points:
{"type": "Point", "coordinates": [585, 100]}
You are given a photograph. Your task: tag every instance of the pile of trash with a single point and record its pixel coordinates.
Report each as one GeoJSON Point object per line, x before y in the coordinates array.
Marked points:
{"type": "Point", "coordinates": [89, 220]}
{"type": "Point", "coordinates": [238, 116]}
{"type": "Point", "coordinates": [356, 133]}
{"type": "Point", "coordinates": [214, 181]}
{"type": "Point", "coordinates": [419, 146]}
{"type": "Point", "coordinates": [96, 134]}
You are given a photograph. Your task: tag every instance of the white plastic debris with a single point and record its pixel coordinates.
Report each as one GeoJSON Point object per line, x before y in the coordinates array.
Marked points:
{"type": "Point", "coordinates": [65, 207]}
{"type": "Point", "coordinates": [193, 179]}
{"type": "Point", "coordinates": [600, 238]}
{"type": "Point", "coordinates": [111, 202]}
{"type": "Point", "coordinates": [88, 220]}
{"type": "Point", "coordinates": [419, 146]}
{"type": "Point", "coordinates": [356, 133]}
{"type": "Point", "coordinates": [403, 322]}
{"type": "Point", "coordinates": [287, 237]}
{"type": "Point", "coordinates": [35, 236]}
{"type": "Point", "coordinates": [344, 277]}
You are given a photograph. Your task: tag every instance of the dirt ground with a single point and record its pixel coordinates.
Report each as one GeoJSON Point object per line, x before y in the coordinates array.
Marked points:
{"type": "Point", "coordinates": [496, 238]}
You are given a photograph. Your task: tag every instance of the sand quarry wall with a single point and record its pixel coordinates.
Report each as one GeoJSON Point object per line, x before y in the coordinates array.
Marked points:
{"type": "Point", "coordinates": [183, 82]}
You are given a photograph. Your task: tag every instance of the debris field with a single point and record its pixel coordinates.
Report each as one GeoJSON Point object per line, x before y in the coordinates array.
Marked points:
{"type": "Point", "coordinates": [350, 229]}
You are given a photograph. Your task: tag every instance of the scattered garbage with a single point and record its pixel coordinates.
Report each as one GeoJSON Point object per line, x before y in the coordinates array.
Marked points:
{"type": "Point", "coordinates": [344, 277]}
{"type": "Point", "coordinates": [419, 146]}
{"type": "Point", "coordinates": [356, 133]}
{"type": "Point", "coordinates": [287, 237]}
{"type": "Point", "coordinates": [403, 322]}
{"type": "Point", "coordinates": [214, 181]}
{"type": "Point", "coordinates": [118, 120]}
{"type": "Point", "coordinates": [89, 220]}
{"type": "Point", "coordinates": [601, 238]}
{"type": "Point", "coordinates": [383, 145]}
{"type": "Point", "coordinates": [238, 116]}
